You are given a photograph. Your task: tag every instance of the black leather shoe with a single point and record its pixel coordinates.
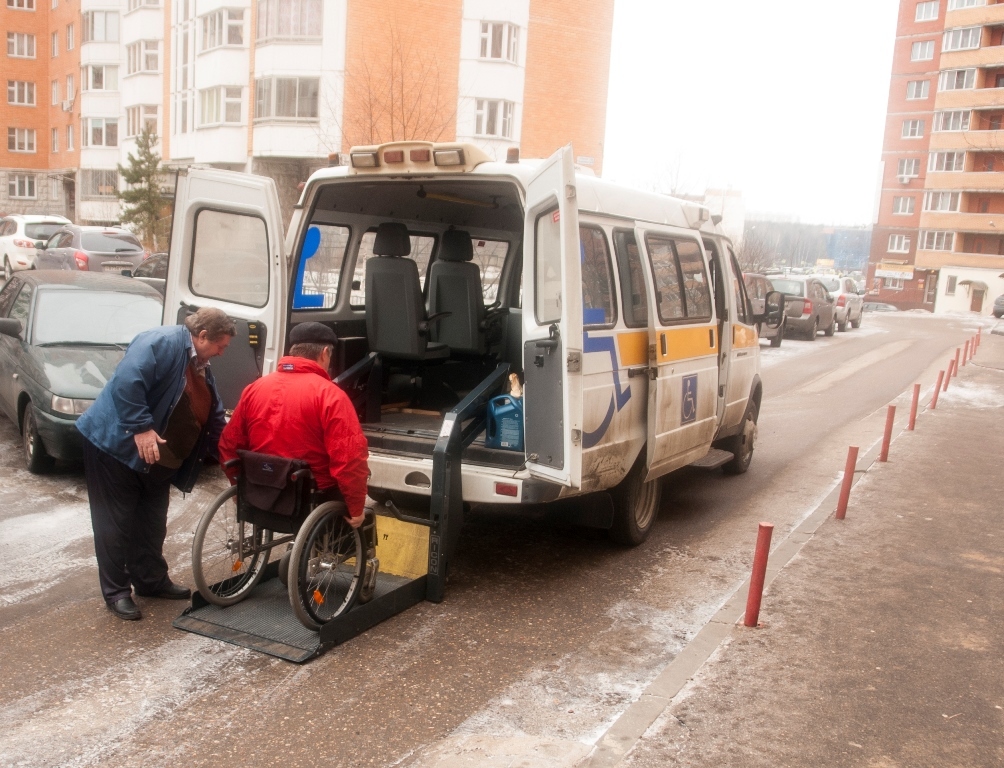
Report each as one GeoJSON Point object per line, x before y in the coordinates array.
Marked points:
{"type": "Point", "coordinates": [125, 608]}
{"type": "Point", "coordinates": [171, 592]}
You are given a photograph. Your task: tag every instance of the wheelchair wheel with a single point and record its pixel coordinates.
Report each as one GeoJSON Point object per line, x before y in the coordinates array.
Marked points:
{"type": "Point", "coordinates": [327, 564]}
{"type": "Point", "coordinates": [225, 565]}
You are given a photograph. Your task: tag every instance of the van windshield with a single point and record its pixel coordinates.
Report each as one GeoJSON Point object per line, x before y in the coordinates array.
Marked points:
{"type": "Point", "coordinates": [790, 287]}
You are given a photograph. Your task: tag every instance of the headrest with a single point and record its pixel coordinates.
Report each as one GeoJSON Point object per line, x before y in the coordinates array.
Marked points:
{"type": "Point", "coordinates": [456, 246]}
{"type": "Point", "coordinates": [392, 240]}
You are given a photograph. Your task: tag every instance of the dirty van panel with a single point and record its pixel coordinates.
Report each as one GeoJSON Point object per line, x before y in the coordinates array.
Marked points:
{"type": "Point", "coordinates": [544, 367]}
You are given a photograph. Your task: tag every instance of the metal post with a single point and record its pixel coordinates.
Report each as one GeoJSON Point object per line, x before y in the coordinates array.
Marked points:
{"type": "Point", "coordinates": [759, 574]}
{"type": "Point", "coordinates": [845, 486]}
{"type": "Point", "coordinates": [890, 417]}
{"type": "Point", "coordinates": [965, 354]}
{"type": "Point", "coordinates": [913, 407]}
{"type": "Point", "coordinates": [948, 373]}
{"type": "Point", "coordinates": [937, 390]}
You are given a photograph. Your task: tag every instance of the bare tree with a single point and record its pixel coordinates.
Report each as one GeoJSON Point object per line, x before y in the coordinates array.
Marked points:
{"type": "Point", "coordinates": [757, 251]}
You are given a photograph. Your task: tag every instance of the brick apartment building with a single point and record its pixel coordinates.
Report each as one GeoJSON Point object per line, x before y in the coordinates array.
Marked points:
{"type": "Point", "coordinates": [941, 210]}
{"type": "Point", "coordinates": [275, 86]}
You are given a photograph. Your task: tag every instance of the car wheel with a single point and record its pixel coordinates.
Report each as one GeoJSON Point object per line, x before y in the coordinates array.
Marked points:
{"type": "Point", "coordinates": [8, 273]}
{"type": "Point", "coordinates": [857, 323]}
{"type": "Point", "coordinates": [35, 456]}
{"type": "Point", "coordinates": [842, 327]}
{"type": "Point", "coordinates": [815, 329]}
{"type": "Point", "coordinates": [832, 327]}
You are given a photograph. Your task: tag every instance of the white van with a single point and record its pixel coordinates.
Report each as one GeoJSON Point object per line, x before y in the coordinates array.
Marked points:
{"type": "Point", "coordinates": [623, 314]}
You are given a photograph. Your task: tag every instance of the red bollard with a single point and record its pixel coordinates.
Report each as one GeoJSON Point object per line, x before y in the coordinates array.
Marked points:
{"type": "Point", "coordinates": [759, 574]}
{"type": "Point", "coordinates": [948, 373]}
{"type": "Point", "coordinates": [913, 407]}
{"type": "Point", "coordinates": [965, 354]}
{"type": "Point", "coordinates": [937, 390]}
{"type": "Point", "coordinates": [890, 417]}
{"type": "Point", "coordinates": [845, 486]}
{"type": "Point", "coordinates": [958, 351]}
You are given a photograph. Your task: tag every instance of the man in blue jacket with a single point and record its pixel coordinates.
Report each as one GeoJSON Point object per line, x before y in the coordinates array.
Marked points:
{"type": "Point", "coordinates": [151, 427]}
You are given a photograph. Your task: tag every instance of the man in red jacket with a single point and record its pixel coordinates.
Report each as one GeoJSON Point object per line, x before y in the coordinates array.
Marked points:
{"type": "Point", "coordinates": [298, 412]}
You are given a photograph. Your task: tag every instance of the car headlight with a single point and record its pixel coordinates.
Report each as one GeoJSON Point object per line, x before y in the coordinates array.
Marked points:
{"type": "Point", "coordinates": [69, 406]}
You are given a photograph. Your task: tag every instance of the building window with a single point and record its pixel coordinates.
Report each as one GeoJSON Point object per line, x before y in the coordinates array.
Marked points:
{"type": "Point", "coordinates": [950, 285]}
{"type": "Point", "coordinates": [21, 5]}
{"type": "Point", "coordinates": [20, 139]}
{"type": "Point", "coordinates": [134, 4]}
{"type": "Point", "coordinates": [493, 117]}
{"type": "Point", "coordinates": [499, 40]}
{"type": "Point", "coordinates": [909, 168]}
{"type": "Point", "coordinates": [941, 201]}
{"type": "Point", "coordinates": [20, 45]}
{"type": "Point", "coordinates": [954, 5]}
{"type": "Point", "coordinates": [957, 79]}
{"type": "Point", "coordinates": [21, 92]}
{"type": "Point", "coordinates": [892, 283]}
{"type": "Point", "coordinates": [100, 132]}
{"type": "Point", "coordinates": [899, 244]}
{"type": "Point", "coordinates": [927, 11]}
{"type": "Point", "coordinates": [913, 129]}
{"type": "Point", "coordinates": [953, 120]}
{"type": "Point", "coordinates": [947, 161]}
{"type": "Point", "coordinates": [918, 89]}
{"type": "Point", "coordinates": [55, 93]}
{"type": "Point", "coordinates": [962, 39]}
{"type": "Point", "coordinates": [70, 37]}
{"type": "Point", "coordinates": [220, 105]}
{"type": "Point", "coordinates": [54, 44]}
{"type": "Point", "coordinates": [99, 77]}
{"type": "Point", "coordinates": [922, 51]}
{"type": "Point", "coordinates": [140, 118]}
{"type": "Point", "coordinates": [222, 28]}
{"type": "Point", "coordinates": [937, 241]}
{"type": "Point", "coordinates": [289, 19]}
{"type": "Point", "coordinates": [69, 138]}
{"type": "Point", "coordinates": [21, 185]}
{"type": "Point", "coordinates": [143, 56]}
{"type": "Point", "coordinates": [286, 98]}
{"type": "Point", "coordinates": [70, 93]}
{"type": "Point", "coordinates": [903, 206]}
{"type": "Point", "coordinates": [54, 139]}
{"type": "Point", "coordinates": [96, 182]}
{"type": "Point", "coordinates": [101, 27]}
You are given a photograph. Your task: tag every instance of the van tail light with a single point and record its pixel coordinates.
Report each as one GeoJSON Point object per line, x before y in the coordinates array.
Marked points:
{"type": "Point", "coordinates": [841, 300]}
{"type": "Point", "coordinates": [806, 307]}
{"type": "Point", "coordinates": [81, 258]}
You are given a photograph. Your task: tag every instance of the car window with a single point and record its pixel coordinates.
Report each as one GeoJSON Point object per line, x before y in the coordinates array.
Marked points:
{"type": "Point", "coordinates": [22, 305]}
{"type": "Point", "coordinates": [95, 317]}
{"type": "Point", "coordinates": [7, 295]}
{"type": "Point", "coordinates": [42, 230]}
{"type": "Point", "coordinates": [109, 242]}
{"type": "Point", "coordinates": [830, 283]}
{"type": "Point", "coordinates": [66, 240]}
{"type": "Point", "coordinates": [4, 228]}
{"type": "Point", "coordinates": [790, 287]}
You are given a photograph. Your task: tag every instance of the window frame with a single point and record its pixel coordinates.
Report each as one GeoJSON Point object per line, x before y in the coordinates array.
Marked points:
{"type": "Point", "coordinates": [29, 179]}
{"type": "Point", "coordinates": [505, 112]}
{"type": "Point", "coordinates": [922, 12]}
{"type": "Point", "coordinates": [25, 86]}
{"type": "Point", "coordinates": [29, 42]}
{"type": "Point", "coordinates": [896, 207]}
{"type": "Point", "coordinates": [89, 26]}
{"type": "Point", "coordinates": [14, 139]}
{"type": "Point", "coordinates": [21, 5]}
{"type": "Point", "coordinates": [914, 86]}
{"type": "Point", "coordinates": [88, 174]}
{"type": "Point", "coordinates": [508, 44]}
{"type": "Point", "coordinates": [960, 39]}
{"type": "Point", "coordinates": [922, 50]}
{"type": "Point", "coordinates": [912, 129]}
{"type": "Point", "coordinates": [611, 280]}
{"type": "Point", "coordinates": [902, 244]}
{"type": "Point", "coordinates": [266, 31]}
{"type": "Point", "coordinates": [271, 98]}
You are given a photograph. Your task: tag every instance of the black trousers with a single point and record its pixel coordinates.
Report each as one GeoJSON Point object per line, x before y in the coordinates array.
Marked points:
{"type": "Point", "coordinates": [129, 518]}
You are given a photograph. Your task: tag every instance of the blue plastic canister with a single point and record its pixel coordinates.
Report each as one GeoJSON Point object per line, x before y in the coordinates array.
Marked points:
{"type": "Point", "coordinates": [505, 423]}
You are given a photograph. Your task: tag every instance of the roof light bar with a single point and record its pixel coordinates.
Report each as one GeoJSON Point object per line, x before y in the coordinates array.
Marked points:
{"type": "Point", "coordinates": [393, 156]}
{"type": "Point", "coordinates": [365, 160]}
{"type": "Point", "coordinates": [420, 155]}
{"type": "Point", "coordinates": [449, 156]}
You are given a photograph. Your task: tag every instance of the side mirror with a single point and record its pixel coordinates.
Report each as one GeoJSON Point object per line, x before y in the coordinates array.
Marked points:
{"type": "Point", "coordinates": [10, 327]}
{"type": "Point", "coordinates": [40, 245]}
{"type": "Point", "coordinates": [773, 310]}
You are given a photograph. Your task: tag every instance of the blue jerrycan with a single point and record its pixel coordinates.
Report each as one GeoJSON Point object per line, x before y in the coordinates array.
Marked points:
{"type": "Point", "coordinates": [505, 423]}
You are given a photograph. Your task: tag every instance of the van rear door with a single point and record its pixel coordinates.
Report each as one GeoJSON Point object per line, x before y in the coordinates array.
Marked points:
{"type": "Point", "coordinates": [552, 323]}
{"type": "Point", "coordinates": [227, 252]}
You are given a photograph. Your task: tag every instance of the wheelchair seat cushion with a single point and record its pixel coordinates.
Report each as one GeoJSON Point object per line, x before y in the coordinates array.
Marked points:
{"type": "Point", "coordinates": [265, 482]}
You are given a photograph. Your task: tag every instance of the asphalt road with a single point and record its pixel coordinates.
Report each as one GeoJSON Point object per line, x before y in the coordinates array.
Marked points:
{"type": "Point", "coordinates": [546, 635]}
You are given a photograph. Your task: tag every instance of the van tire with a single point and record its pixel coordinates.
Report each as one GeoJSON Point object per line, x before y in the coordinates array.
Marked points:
{"type": "Point", "coordinates": [636, 505]}
{"type": "Point", "coordinates": [741, 446]}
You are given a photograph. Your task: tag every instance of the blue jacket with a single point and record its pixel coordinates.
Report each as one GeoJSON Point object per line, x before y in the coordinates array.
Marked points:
{"type": "Point", "coordinates": [141, 395]}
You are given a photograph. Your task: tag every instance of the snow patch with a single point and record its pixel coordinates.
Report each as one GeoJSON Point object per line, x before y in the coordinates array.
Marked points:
{"type": "Point", "coordinates": [973, 395]}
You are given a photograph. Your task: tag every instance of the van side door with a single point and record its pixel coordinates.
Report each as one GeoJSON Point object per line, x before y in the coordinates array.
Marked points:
{"type": "Point", "coordinates": [744, 357]}
{"type": "Point", "coordinates": [227, 252]}
{"type": "Point", "coordinates": [552, 323]}
{"type": "Point", "coordinates": [683, 349]}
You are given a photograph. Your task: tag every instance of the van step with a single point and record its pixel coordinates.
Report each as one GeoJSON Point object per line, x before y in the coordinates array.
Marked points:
{"type": "Point", "coordinates": [714, 459]}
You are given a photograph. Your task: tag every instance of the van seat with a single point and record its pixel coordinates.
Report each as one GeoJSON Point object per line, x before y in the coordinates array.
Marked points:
{"type": "Point", "coordinates": [455, 288]}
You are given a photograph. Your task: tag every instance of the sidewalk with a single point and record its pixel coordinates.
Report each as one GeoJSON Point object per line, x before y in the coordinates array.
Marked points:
{"type": "Point", "coordinates": [882, 641]}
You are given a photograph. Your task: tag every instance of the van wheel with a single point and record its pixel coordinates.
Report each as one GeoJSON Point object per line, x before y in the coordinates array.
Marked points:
{"type": "Point", "coordinates": [741, 446]}
{"type": "Point", "coordinates": [636, 504]}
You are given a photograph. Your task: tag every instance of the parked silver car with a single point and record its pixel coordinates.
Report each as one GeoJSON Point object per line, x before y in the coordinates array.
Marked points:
{"type": "Point", "coordinates": [757, 288]}
{"type": "Point", "coordinates": [19, 237]}
{"type": "Point", "coordinates": [848, 302]}
{"type": "Point", "coordinates": [92, 249]}
{"type": "Point", "coordinates": [808, 306]}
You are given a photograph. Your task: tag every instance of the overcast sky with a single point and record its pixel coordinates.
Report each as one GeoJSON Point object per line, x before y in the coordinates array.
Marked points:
{"type": "Point", "coordinates": [784, 100]}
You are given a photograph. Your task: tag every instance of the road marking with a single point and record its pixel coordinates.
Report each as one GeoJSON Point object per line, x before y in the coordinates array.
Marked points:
{"type": "Point", "coordinates": [866, 360]}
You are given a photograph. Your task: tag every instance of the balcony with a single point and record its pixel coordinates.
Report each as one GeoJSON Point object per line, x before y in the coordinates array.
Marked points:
{"type": "Point", "coordinates": [940, 259]}
{"type": "Point", "coordinates": [988, 56]}
{"type": "Point", "coordinates": [965, 182]}
{"type": "Point", "coordinates": [967, 140]}
{"type": "Point", "coordinates": [972, 98]}
{"type": "Point", "coordinates": [970, 17]}
{"type": "Point", "coordinates": [989, 223]}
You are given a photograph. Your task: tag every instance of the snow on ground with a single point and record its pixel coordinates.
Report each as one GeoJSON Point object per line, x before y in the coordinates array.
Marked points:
{"type": "Point", "coordinates": [792, 348]}
{"type": "Point", "coordinates": [971, 394]}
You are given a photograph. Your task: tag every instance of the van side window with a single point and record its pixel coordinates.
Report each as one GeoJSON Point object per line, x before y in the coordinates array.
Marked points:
{"type": "Point", "coordinates": [665, 272]}
{"type": "Point", "coordinates": [695, 279]}
{"type": "Point", "coordinates": [597, 278]}
{"type": "Point", "coordinates": [629, 268]}
{"type": "Point", "coordinates": [421, 251]}
{"type": "Point", "coordinates": [490, 255]}
{"type": "Point", "coordinates": [230, 258]}
{"type": "Point", "coordinates": [547, 267]}
{"type": "Point", "coordinates": [742, 303]}
{"type": "Point", "coordinates": [317, 276]}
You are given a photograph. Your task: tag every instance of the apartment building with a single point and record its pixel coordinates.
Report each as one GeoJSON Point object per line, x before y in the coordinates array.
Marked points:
{"type": "Point", "coordinates": [941, 207]}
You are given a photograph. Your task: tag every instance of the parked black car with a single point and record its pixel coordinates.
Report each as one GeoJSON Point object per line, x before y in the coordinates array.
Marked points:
{"type": "Point", "coordinates": [61, 336]}
{"type": "Point", "coordinates": [92, 249]}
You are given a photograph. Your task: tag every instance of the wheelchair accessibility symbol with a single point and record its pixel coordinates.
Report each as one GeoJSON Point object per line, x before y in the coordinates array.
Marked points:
{"type": "Point", "coordinates": [689, 400]}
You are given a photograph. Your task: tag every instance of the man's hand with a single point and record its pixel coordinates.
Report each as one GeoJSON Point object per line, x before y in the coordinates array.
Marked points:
{"type": "Point", "coordinates": [146, 444]}
{"type": "Point", "coordinates": [356, 521]}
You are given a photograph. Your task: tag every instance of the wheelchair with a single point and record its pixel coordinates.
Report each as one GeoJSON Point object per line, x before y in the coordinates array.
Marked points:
{"type": "Point", "coordinates": [276, 502]}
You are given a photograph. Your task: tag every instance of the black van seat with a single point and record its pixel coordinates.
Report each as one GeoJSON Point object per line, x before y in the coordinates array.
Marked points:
{"type": "Point", "coordinates": [455, 287]}
{"type": "Point", "coordinates": [396, 323]}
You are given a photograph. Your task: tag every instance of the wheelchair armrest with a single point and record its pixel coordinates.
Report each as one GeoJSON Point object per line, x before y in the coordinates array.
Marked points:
{"type": "Point", "coordinates": [299, 474]}
{"type": "Point", "coordinates": [231, 464]}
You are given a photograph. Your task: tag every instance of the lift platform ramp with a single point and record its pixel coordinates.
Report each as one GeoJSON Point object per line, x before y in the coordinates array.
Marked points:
{"type": "Point", "coordinates": [414, 555]}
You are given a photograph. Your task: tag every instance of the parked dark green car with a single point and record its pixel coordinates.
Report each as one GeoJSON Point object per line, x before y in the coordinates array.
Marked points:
{"type": "Point", "coordinates": [61, 336]}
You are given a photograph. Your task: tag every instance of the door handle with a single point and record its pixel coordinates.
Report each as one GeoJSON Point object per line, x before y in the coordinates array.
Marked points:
{"type": "Point", "coordinates": [546, 343]}
{"type": "Point", "coordinates": [711, 337]}
{"type": "Point", "coordinates": [663, 345]}
{"type": "Point", "coordinates": [641, 371]}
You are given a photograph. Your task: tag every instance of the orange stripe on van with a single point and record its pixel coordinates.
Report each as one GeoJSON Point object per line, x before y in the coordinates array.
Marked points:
{"type": "Point", "coordinates": [632, 348]}
{"type": "Point", "coordinates": [684, 343]}
{"type": "Point", "coordinates": [744, 337]}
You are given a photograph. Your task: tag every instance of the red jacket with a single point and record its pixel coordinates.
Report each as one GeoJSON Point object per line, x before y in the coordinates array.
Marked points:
{"type": "Point", "coordinates": [299, 413]}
